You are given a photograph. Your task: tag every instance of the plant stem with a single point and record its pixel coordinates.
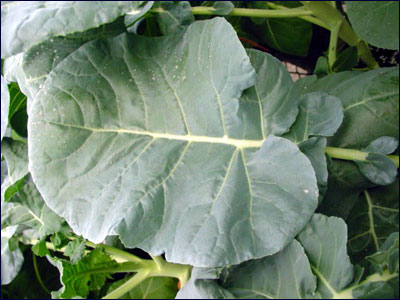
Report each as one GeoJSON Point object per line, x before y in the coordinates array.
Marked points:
{"type": "Point", "coordinates": [39, 278]}
{"type": "Point", "coordinates": [248, 12]}
{"type": "Point", "coordinates": [310, 19]}
{"type": "Point", "coordinates": [352, 154]}
{"type": "Point", "coordinates": [333, 43]}
{"type": "Point", "coordinates": [127, 286]}
{"type": "Point", "coordinates": [158, 260]}
{"type": "Point", "coordinates": [115, 252]}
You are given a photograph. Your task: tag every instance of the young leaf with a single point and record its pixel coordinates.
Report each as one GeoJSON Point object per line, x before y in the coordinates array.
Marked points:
{"type": "Point", "coordinates": [40, 248]}
{"type": "Point", "coordinates": [387, 256]}
{"type": "Point", "coordinates": [319, 115]}
{"type": "Point", "coordinates": [75, 250]}
{"type": "Point", "coordinates": [24, 21]}
{"type": "Point", "coordinates": [5, 104]}
{"type": "Point", "coordinates": [151, 288]}
{"type": "Point", "coordinates": [321, 67]}
{"type": "Point", "coordinates": [29, 209]}
{"type": "Point", "coordinates": [16, 155]}
{"type": "Point", "coordinates": [11, 261]}
{"type": "Point", "coordinates": [378, 168]}
{"type": "Point", "coordinates": [376, 22]}
{"type": "Point", "coordinates": [278, 108]}
{"type": "Point", "coordinates": [346, 60]}
{"type": "Point", "coordinates": [223, 7]}
{"type": "Point", "coordinates": [78, 279]}
{"type": "Point", "coordinates": [135, 114]}
{"type": "Point", "coordinates": [174, 16]}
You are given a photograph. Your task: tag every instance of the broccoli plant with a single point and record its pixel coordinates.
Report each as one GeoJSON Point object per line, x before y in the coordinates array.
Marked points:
{"type": "Point", "coordinates": [152, 150]}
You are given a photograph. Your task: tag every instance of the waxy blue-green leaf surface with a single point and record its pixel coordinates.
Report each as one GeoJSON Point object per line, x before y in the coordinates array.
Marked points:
{"type": "Point", "coordinates": [119, 131]}
{"type": "Point", "coordinates": [27, 23]}
{"type": "Point", "coordinates": [376, 22]}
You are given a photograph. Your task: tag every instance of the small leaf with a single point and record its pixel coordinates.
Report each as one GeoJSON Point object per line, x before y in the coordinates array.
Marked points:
{"type": "Point", "coordinates": [383, 145]}
{"type": "Point", "coordinates": [11, 261]}
{"type": "Point", "coordinates": [321, 67]}
{"type": "Point", "coordinates": [223, 7]}
{"type": "Point", "coordinates": [75, 250]}
{"type": "Point", "coordinates": [319, 115]}
{"type": "Point", "coordinates": [346, 60]}
{"type": "Point", "coordinates": [40, 248]}
{"type": "Point", "coordinates": [16, 156]}
{"type": "Point", "coordinates": [378, 168]}
{"type": "Point", "coordinates": [59, 240]}
{"type": "Point", "coordinates": [387, 257]}
{"type": "Point", "coordinates": [174, 17]}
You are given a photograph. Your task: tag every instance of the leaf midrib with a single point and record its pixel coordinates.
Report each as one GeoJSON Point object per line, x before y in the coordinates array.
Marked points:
{"type": "Point", "coordinates": [238, 143]}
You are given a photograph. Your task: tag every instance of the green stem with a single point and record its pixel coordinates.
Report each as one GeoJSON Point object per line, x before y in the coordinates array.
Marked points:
{"type": "Point", "coordinates": [248, 12]}
{"type": "Point", "coordinates": [115, 252]}
{"type": "Point", "coordinates": [39, 278]}
{"type": "Point", "coordinates": [330, 15]}
{"type": "Point", "coordinates": [333, 43]}
{"type": "Point", "coordinates": [158, 260]}
{"type": "Point", "coordinates": [352, 154]}
{"type": "Point", "coordinates": [127, 286]}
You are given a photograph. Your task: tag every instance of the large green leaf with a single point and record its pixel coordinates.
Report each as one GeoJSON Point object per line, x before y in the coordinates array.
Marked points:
{"type": "Point", "coordinates": [11, 261]}
{"type": "Point", "coordinates": [118, 129]}
{"type": "Point", "coordinates": [25, 24]}
{"type": "Point", "coordinates": [376, 22]}
{"type": "Point", "coordinates": [5, 104]}
{"type": "Point", "coordinates": [151, 288]}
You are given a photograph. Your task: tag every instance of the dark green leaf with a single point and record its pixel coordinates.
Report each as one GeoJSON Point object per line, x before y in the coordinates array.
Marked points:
{"type": "Point", "coordinates": [287, 35]}
{"type": "Point", "coordinates": [388, 255]}
{"type": "Point", "coordinates": [374, 217]}
{"type": "Point", "coordinates": [321, 67]}
{"type": "Point", "coordinates": [346, 60]}
{"type": "Point", "coordinates": [376, 22]}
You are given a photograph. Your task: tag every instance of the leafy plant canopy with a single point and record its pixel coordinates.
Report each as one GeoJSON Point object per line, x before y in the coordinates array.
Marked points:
{"type": "Point", "coordinates": [149, 152]}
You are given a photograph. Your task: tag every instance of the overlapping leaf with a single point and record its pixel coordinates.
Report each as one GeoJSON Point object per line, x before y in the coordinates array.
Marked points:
{"type": "Point", "coordinates": [123, 135]}
{"type": "Point", "coordinates": [25, 24]}
{"type": "Point", "coordinates": [316, 265]}
{"type": "Point", "coordinates": [5, 104]}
